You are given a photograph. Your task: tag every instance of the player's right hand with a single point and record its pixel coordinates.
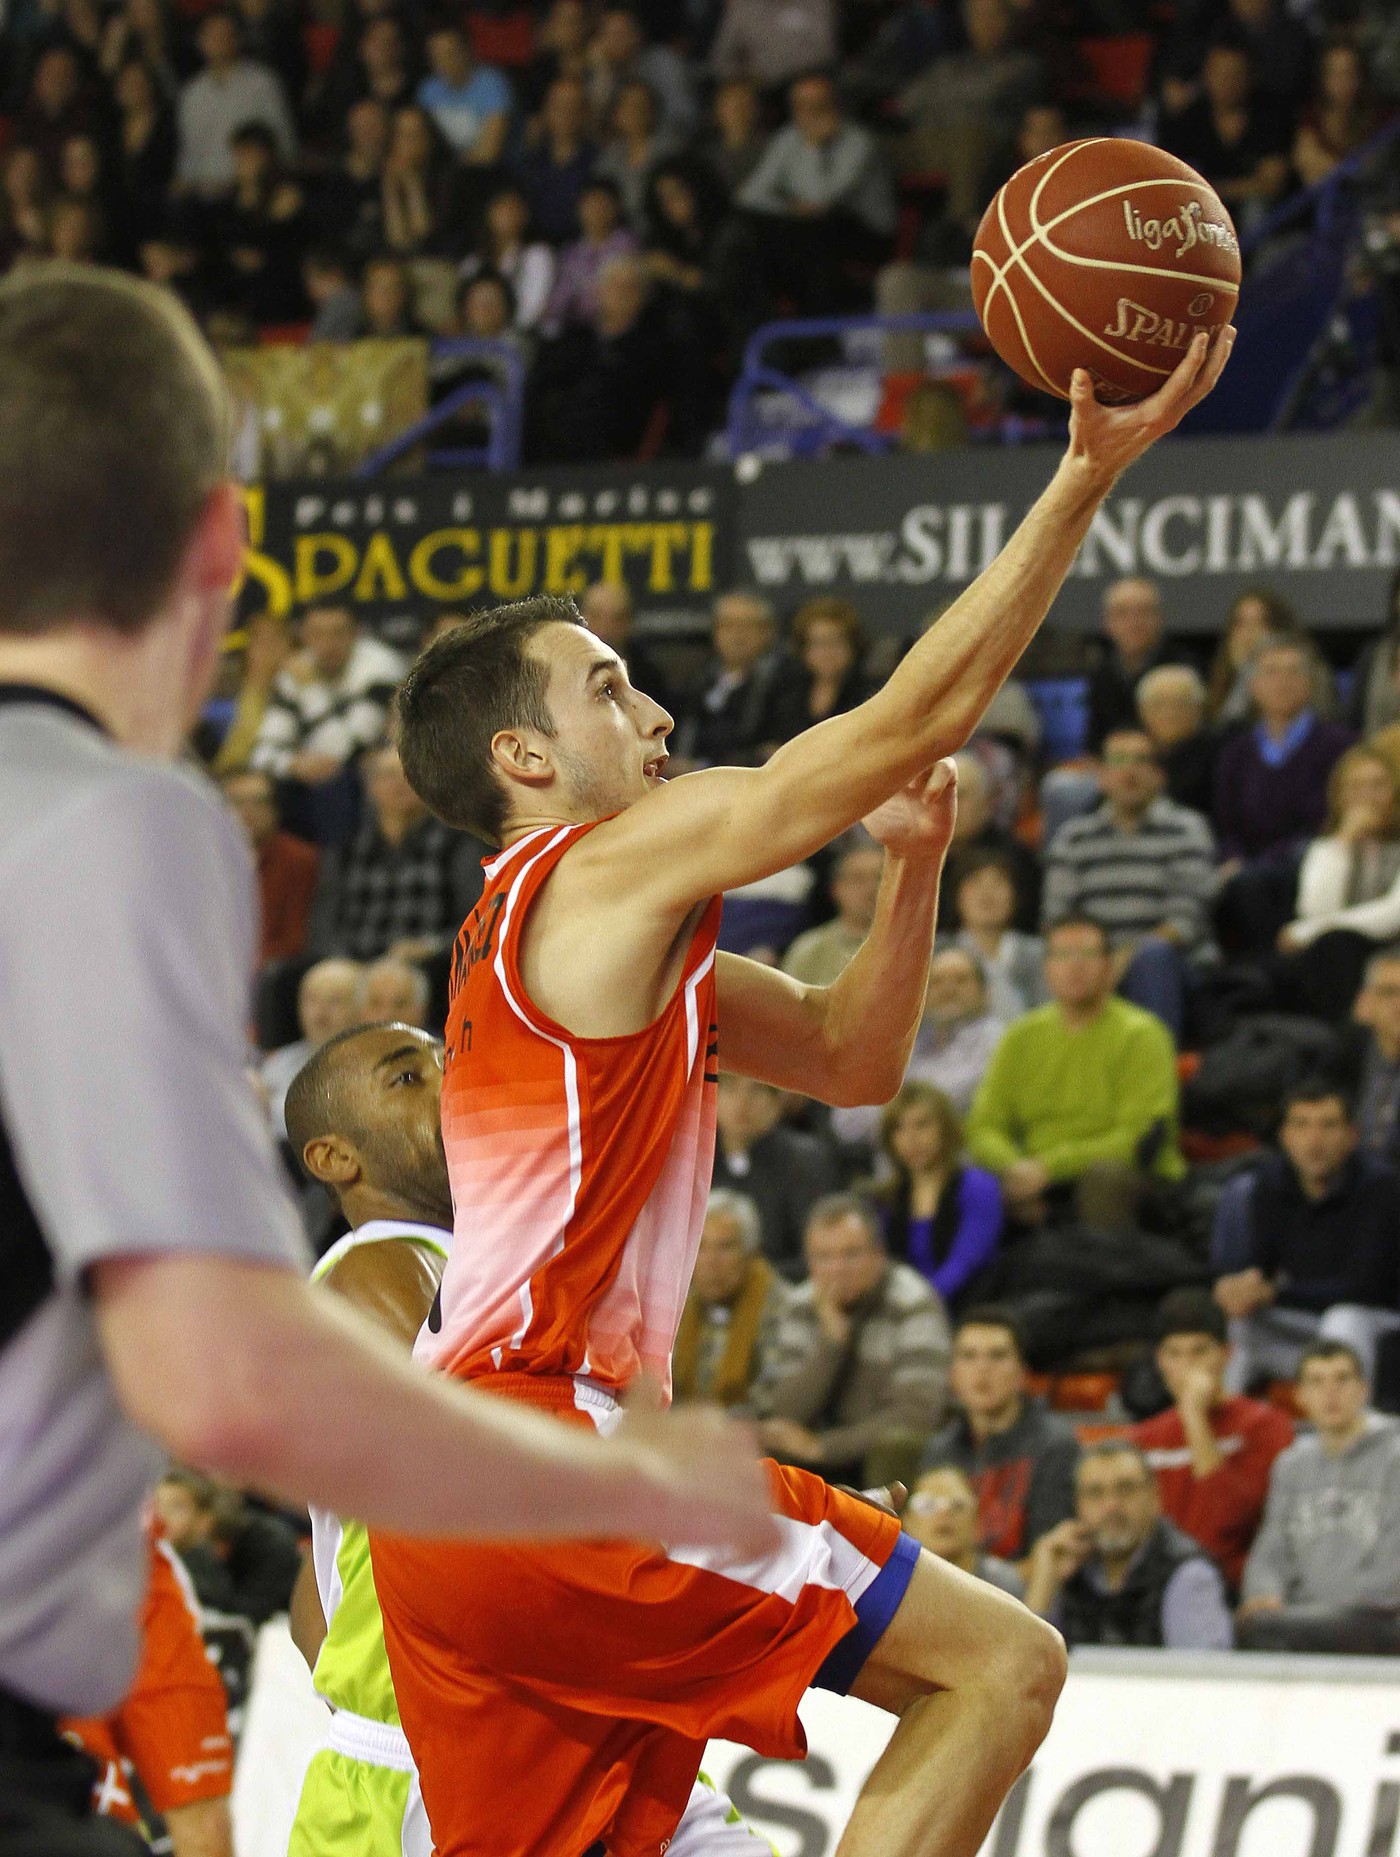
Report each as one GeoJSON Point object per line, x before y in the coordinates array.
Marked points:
{"type": "Point", "coordinates": [698, 1481]}
{"type": "Point", "coordinates": [1108, 438]}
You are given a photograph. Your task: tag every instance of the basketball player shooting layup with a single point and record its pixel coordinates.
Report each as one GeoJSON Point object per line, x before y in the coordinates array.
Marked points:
{"type": "Point", "coordinates": [557, 1701]}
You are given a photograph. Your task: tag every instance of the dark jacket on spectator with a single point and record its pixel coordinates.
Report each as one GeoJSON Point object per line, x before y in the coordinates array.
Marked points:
{"type": "Point", "coordinates": [787, 1173]}
{"type": "Point", "coordinates": [1344, 1248]}
{"type": "Point", "coordinates": [1089, 1614]}
{"type": "Point", "coordinates": [1024, 1477]}
{"type": "Point", "coordinates": [731, 729]}
{"type": "Point", "coordinates": [1189, 768]}
{"type": "Point", "coordinates": [1113, 690]}
{"type": "Point", "coordinates": [1259, 808]}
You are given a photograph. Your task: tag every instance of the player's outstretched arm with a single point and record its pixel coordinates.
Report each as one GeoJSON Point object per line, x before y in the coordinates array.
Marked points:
{"type": "Point", "coordinates": [849, 1042]}
{"type": "Point", "coordinates": [716, 830]}
{"type": "Point", "coordinates": [244, 1370]}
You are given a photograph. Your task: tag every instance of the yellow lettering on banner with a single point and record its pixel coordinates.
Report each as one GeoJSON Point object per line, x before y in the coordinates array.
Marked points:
{"type": "Point", "coordinates": [424, 575]}
{"type": "Point", "coordinates": [702, 557]}
{"type": "Point", "coordinates": [381, 576]}
{"type": "Point", "coordinates": [271, 575]}
{"type": "Point", "coordinates": [560, 547]}
{"type": "Point", "coordinates": [526, 543]}
{"type": "Point", "coordinates": [310, 581]}
{"type": "Point", "coordinates": [665, 538]}
{"type": "Point", "coordinates": [608, 539]}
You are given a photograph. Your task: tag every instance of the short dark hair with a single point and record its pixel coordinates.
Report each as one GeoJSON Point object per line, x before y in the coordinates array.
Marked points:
{"type": "Point", "coordinates": [315, 1105]}
{"type": "Point", "coordinates": [473, 681]}
{"type": "Point", "coordinates": [1191, 1312]}
{"type": "Point", "coordinates": [1318, 1089]}
{"type": "Point", "coordinates": [1325, 1349]}
{"type": "Point", "coordinates": [115, 426]}
{"type": "Point", "coordinates": [1121, 1446]}
{"type": "Point", "coordinates": [992, 1315]}
{"type": "Point", "coordinates": [1079, 922]}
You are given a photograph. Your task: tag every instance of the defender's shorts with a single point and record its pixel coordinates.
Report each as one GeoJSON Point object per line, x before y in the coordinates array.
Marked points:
{"type": "Point", "coordinates": [361, 1796]}
{"type": "Point", "coordinates": [558, 1696]}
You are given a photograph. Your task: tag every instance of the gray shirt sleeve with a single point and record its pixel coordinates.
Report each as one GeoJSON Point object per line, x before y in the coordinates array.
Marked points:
{"type": "Point", "coordinates": [1195, 1616]}
{"type": "Point", "coordinates": [126, 954]}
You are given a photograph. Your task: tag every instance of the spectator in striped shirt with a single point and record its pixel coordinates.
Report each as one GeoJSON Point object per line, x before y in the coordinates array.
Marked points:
{"type": "Point", "coordinates": [1144, 869]}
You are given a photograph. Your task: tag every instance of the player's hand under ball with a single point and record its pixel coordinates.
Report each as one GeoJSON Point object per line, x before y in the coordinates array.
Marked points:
{"type": "Point", "coordinates": [1107, 439]}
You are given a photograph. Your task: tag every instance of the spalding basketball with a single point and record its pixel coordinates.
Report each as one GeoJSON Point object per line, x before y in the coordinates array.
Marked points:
{"type": "Point", "coordinates": [1108, 255]}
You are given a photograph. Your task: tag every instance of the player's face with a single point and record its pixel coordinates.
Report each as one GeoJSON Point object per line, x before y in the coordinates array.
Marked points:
{"type": "Point", "coordinates": [401, 1105]}
{"type": "Point", "coordinates": [609, 743]}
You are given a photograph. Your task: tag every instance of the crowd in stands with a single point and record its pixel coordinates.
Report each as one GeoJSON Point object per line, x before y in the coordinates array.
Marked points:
{"type": "Point", "coordinates": [1134, 1213]}
{"type": "Point", "coordinates": [621, 194]}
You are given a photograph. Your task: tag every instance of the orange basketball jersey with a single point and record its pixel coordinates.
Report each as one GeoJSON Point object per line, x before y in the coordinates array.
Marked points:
{"type": "Point", "coordinates": [580, 1166]}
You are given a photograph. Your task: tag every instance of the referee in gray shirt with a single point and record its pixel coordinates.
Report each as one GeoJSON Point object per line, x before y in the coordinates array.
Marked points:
{"type": "Point", "coordinates": [152, 1299]}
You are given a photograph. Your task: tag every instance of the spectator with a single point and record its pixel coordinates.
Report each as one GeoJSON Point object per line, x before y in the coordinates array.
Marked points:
{"type": "Point", "coordinates": [385, 309]}
{"type": "Point", "coordinates": [330, 702]}
{"type": "Point", "coordinates": [470, 103]}
{"type": "Point", "coordinates": [977, 831]}
{"type": "Point", "coordinates": [609, 612]}
{"type": "Point", "coordinates": [1280, 50]}
{"type": "Point", "coordinates": [1144, 869]}
{"type": "Point", "coordinates": [1172, 708]}
{"type": "Point", "coordinates": [24, 215]}
{"type": "Point", "coordinates": [1348, 888]}
{"type": "Point", "coordinates": [574, 298]}
{"type": "Point", "coordinates": [145, 143]}
{"type": "Point", "coordinates": [598, 390]}
{"type": "Point", "coordinates": [1342, 115]}
{"type": "Point", "coordinates": [783, 1171]}
{"type": "Point", "coordinates": [230, 92]}
{"type": "Point", "coordinates": [1212, 1451]}
{"type": "Point", "coordinates": [938, 1214]}
{"type": "Point", "coordinates": [632, 148]}
{"type": "Point", "coordinates": [964, 108]}
{"type": "Point", "coordinates": [75, 231]}
{"type": "Point", "coordinates": [258, 233]}
{"type": "Point", "coordinates": [1324, 1574]}
{"type": "Point", "coordinates": [734, 144]}
{"type": "Point", "coordinates": [1308, 1244]}
{"type": "Point", "coordinates": [384, 69]}
{"type": "Point", "coordinates": [59, 104]}
{"type": "Point", "coordinates": [140, 33]}
{"type": "Point", "coordinates": [396, 992]}
{"type": "Point", "coordinates": [860, 1359]}
{"type": "Point", "coordinates": [555, 168]}
{"type": "Point", "coordinates": [239, 1558]}
{"type": "Point", "coordinates": [83, 177]}
{"type": "Point", "coordinates": [1134, 642]}
{"type": "Point", "coordinates": [772, 45]}
{"type": "Point", "coordinates": [1233, 135]}
{"type": "Point", "coordinates": [1270, 779]}
{"type": "Point", "coordinates": [1019, 1457]}
{"type": "Point", "coordinates": [735, 1306]}
{"type": "Point", "coordinates": [348, 205]}
{"type": "Point", "coordinates": [561, 50]}
{"type": "Point", "coordinates": [736, 713]}
{"type": "Point", "coordinates": [1378, 1058]}
{"type": "Point", "coordinates": [1375, 700]}
{"type": "Point", "coordinates": [1256, 616]}
{"type": "Point", "coordinates": [286, 866]}
{"type": "Point", "coordinates": [1118, 1573]}
{"type": "Point", "coordinates": [329, 1000]}
{"type": "Point", "coordinates": [984, 899]}
{"type": "Point", "coordinates": [619, 54]}
{"type": "Point", "coordinates": [819, 956]}
{"type": "Point", "coordinates": [334, 300]}
{"type": "Point", "coordinates": [404, 884]}
{"type": "Point", "coordinates": [701, 292]}
{"type": "Point", "coordinates": [507, 248]}
{"type": "Point", "coordinates": [823, 201]}
{"type": "Point", "coordinates": [1081, 1093]}
{"type": "Point", "coordinates": [941, 1515]}
{"type": "Point", "coordinates": [418, 189]}
{"type": "Point", "coordinates": [828, 641]}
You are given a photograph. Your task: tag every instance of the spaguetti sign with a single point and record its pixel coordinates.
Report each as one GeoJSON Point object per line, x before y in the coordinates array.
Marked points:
{"type": "Point", "coordinates": [1149, 1756]}
{"type": "Point", "coordinates": [1317, 518]}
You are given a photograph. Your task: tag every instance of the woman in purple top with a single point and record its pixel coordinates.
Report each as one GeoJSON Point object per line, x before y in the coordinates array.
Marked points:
{"type": "Point", "coordinates": [939, 1215]}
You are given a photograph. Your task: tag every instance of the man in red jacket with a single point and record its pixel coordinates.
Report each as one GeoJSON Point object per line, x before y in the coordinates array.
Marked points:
{"type": "Point", "coordinates": [1212, 1452]}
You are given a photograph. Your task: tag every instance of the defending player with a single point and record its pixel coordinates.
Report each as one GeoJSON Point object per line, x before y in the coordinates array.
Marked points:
{"type": "Point", "coordinates": [553, 1698]}
{"type": "Point", "coordinates": [364, 1117]}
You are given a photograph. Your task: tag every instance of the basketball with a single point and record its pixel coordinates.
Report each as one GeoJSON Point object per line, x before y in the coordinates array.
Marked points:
{"type": "Point", "coordinates": [1105, 254]}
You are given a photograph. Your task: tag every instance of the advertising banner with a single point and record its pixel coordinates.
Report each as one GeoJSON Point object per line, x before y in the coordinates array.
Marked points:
{"type": "Point", "coordinates": [398, 550]}
{"type": "Point", "coordinates": [1317, 518]}
{"type": "Point", "coordinates": [1150, 1755]}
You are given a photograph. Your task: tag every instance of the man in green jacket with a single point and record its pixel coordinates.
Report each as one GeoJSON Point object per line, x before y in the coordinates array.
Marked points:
{"type": "Point", "coordinates": [1080, 1094]}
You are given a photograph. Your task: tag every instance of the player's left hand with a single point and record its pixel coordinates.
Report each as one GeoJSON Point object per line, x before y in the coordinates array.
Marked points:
{"type": "Point", "coordinates": [919, 820]}
{"type": "Point", "coordinates": [1108, 438]}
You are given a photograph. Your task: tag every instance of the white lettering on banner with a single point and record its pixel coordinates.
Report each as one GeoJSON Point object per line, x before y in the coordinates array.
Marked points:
{"type": "Point", "coordinates": [1178, 536]}
{"type": "Point", "coordinates": [1150, 1755]}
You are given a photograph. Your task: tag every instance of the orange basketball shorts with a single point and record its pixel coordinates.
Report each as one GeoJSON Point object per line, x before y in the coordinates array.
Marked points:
{"type": "Point", "coordinates": [559, 1696]}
